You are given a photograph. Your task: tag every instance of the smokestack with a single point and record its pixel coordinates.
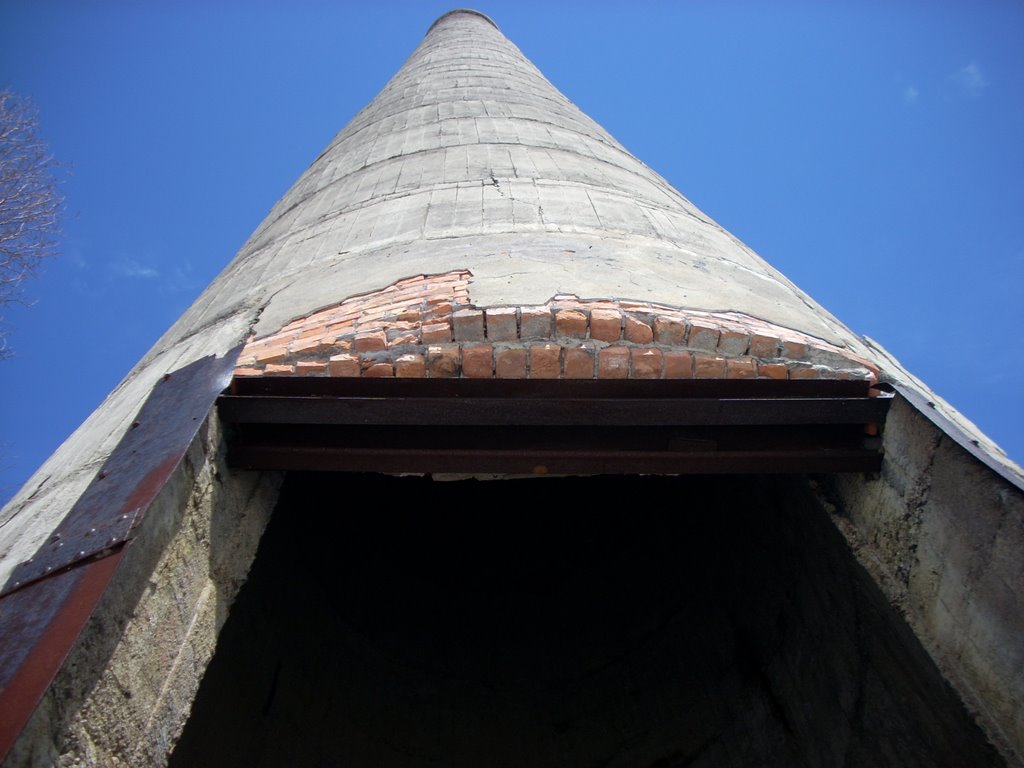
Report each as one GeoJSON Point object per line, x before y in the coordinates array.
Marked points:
{"type": "Point", "coordinates": [475, 281]}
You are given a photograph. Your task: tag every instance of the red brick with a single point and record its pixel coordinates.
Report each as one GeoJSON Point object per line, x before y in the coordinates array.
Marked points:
{"type": "Point", "coordinates": [678, 365]}
{"type": "Point", "coordinates": [248, 371]}
{"type": "Point", "coordinates": [764, 346]}
{"type": "Point", "coordinates": [313, 332]}
{"type": "Point", "coordinates": [794, 350]}
{"type": "Point", "coordinates": [669, 331]}
{"type": "Point", "coordinates": [501, 324]}
{"type": "Point", "coordinates": [646, 362]}
{"type": "Point", "coordinates": [641, 306]}
{"type": "Point", "coordinates": [478, 361]}
{"type": "Point", "coordinates": [405, 299]}
{"type": "Point", "coordinates": [279, 370]}
{"type": "Point", "coordinates": [545, 361]}
{"type": "Point", "coordinates": [708, 366]}
{"type": "Point", "coordinates": [305, 346]}
{"type": "Point", "coordinates": [703, 335]}
{"type": "Point", "coordinates": [535, 323]}
{"type": "Point", "coordinates": [437, 313]}
{"type": "Point", "coordinates": [443, 360]}
{"type": "Point", "coordinates": [571, 323]}
{"type": "Point", "coordinates": [410, 367]}
{"type": "Point", "coordinates": [606, 324]}
{"type": "Point", "coordinates": [345, 364]}
{"type": "Point", "coordinates": [310, 368]}
{"type": "Point", "coordinates": [401, 325]}
{"type": "Point", "coordinates": [379, 371]}
{"type": "Point", "coordinates": [271, 354]}
{"type": "Point", "coordinates": [732, 343]}
{"type": "Point", "coordinates": [439, 304]}
{"type": "Point", "coordinates": [741, 368]}
{"type": "Point", "coordinates": [510, 363]}
{"type": "Point", "coordinates": [803, 372]}
{"type": "Point", "coordinates": [579, 363]}
{"type": "Point", "coordinates": [613, 363]}
{"type": "Point", "coordinates": [772, 371]}
{"type": "Point", "coordinates": [340, 329]}
{"type": "Point", "coordinates": [399, 338]}
{"type": "Point", "coordinates": [436, 333]}
{"type": "Point", "coordinates": [468, 325]}
{"type": "Point", "coordinates": [638, 331]}
{"type": "Point", "coordinates": [370, 341]}
{"type": "Point", "coordinates": [370, 318]}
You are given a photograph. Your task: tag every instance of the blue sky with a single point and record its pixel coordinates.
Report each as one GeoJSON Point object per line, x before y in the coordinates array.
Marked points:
{"type": "Point", "coordinates": [873, 152]}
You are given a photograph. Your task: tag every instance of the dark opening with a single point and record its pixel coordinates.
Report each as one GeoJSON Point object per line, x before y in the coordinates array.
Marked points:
{"type": "Point", "coordinates": [627, 621]}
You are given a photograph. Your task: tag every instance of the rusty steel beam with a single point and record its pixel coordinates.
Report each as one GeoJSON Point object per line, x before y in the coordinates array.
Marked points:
{"type": "Point", "coordinates": [633, 427]}
{"type": "Point", "coordinates": [495, 411]}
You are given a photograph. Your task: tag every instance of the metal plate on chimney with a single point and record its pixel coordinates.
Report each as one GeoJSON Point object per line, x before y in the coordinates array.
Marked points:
{"type": "Point", "coordinates": [118, 497]}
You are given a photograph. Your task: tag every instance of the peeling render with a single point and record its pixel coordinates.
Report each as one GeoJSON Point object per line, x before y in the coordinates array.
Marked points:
{"type": "Point", "coordinates": [403, 329]}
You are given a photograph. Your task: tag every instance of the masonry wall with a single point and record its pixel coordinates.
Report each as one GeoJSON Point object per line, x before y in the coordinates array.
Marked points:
{"type": "Point", "coordinates": [126, 689]}
{"type": "Point", "coordinates": [943, 536]}
{"type": "Point", "coordinates": [629, 621]}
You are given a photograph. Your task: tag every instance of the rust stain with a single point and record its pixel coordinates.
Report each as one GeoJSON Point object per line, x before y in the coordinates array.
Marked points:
{"type": "Point", "coordinates": [21, 696]}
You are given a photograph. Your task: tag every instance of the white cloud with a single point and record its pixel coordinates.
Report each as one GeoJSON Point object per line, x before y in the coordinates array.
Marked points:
{"type": "Point", "coordinates": [969, 78]}
{"type": "Point", "coordinates": [130, 268]}
{"type": "Point", "coordinates": [910, 94]}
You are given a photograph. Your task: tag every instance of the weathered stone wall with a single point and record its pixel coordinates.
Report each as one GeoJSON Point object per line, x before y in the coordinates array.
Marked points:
{"type": "Point", "coordinates": [943, 535]}
{"type": "Point", "coordinates": [127, 687]}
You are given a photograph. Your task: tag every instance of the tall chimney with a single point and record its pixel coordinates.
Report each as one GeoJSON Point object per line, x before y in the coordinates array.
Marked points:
{"type": "Point", "coordinates": [475, 281]}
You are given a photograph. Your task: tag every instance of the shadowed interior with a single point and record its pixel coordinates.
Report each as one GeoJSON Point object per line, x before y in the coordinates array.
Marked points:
{"type": "Point", "coordinates": [628, 621]}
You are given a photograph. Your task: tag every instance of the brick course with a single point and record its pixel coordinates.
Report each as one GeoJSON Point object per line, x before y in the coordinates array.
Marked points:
{"type": "Point", "coordinates": [426, 326]}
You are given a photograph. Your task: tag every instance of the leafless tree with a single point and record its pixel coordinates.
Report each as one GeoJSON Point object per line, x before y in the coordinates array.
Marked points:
{"type": "Point", "coordinates": [30, 200]}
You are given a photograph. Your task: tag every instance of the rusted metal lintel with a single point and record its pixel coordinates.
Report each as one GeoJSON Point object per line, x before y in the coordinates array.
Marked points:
{"type": "Point", "coordinates": [565, 427]}
{"type": "Point", "coordinates": [331, 386]}
{"type": "Point", "coordinates": [497, 411]}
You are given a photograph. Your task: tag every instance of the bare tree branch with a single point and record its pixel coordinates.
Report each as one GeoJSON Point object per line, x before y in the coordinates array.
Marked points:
{"type": "Point", "coordinates": [30, 201]}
